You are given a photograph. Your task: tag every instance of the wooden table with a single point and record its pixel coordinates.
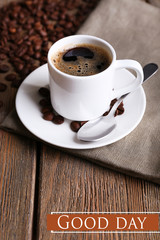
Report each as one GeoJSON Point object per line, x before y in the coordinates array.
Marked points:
{"type": "Point", "coordinates": [36, 179]}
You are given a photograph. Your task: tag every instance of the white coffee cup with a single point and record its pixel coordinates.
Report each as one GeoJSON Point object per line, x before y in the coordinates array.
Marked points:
{"type": "Point", "coordinates": [84, 98]}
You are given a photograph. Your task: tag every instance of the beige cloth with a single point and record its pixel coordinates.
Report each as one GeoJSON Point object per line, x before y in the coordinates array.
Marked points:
{"type": "Point", "coordinates": [132, 27]}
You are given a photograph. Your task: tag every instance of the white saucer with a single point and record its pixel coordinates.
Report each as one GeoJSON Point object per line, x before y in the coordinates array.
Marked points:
{"type": "Point", "coordinates": [28, 109]}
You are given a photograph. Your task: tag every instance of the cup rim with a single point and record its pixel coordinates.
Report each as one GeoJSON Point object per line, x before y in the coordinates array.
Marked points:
{"type": "Point", "coordinates": [81, 36]}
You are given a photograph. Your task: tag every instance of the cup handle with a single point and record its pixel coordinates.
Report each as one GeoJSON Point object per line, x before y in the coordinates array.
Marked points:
{"type": "Point", "coordinates": [130, 64]}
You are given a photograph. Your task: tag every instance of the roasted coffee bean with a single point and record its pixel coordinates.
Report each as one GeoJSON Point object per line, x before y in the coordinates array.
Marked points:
{"type": "Point", "coordinates": [38, 26]}
{"type": "Point", "coordinates": [45, 102]}
{"type": "Point", "coordinates": [21, 50]}
{"type": "Point", "coordinates": [37, 47]}
{"type": "Point", "coordinates": [11, 77]}
{"type": "Point", "coordinates": [4, 49]}
{"type": "Point", "coordinates": [30, 51]}
{"type": "Point", "coordinates": [116, 113]}
{"type": "Point", "coordinates": [19, 66]}
{"type": "Point", "coordinates": [106, 113]}
{"type": "Point", "coordinates": [113, 102]}
{"type": "Point", "coordinates": [25, 71]}
{"type": "Point", "coordinates": [58, 119]}
{"type": "Point", "coordinates": [48, 116]}
{"type": "Point", "coordinates": [43, 33]}
{"type": "Point", "coordinates": [83, 122]}
{"type": "Point", "coordinates": [12, 30]}
{"type": "Point", "coordinates": [37, 55]}
{"type": "Point", "coordinates": [3, 87]}
{"type": "Point", "coordinates": [75, 126]}
{"type": "Point", "coordinates": [4, 68]}
{"type": "Point", "coordinates": [16, 83]}
{"type": "Point", "coordinates": [119, 110]}
{"type": "Point", "coordinates": [69, 25]}
{"type": "Point", "coordinates": [46, 109]}
{"type": "Point", "coordinates": [1, 104]}
{"type": "Point", "coordinates": [60, 35]}
{"type": "Point", "coordinates": [26, 58]}
{"type": "Point", "coordinates": [59, 29]}
{"type": "Point", "coordinates": [44, 92]}
{"type": "Point", "coordinates": [32, 68]}
{"type": "Point", "coordinates": [120, 107]}
{"type": "Point", "coordinates": [45, 49]}
{"type": "Point", "coordinates": [3, 56]}
{"type": "Point", "coordinates": [43, 59]}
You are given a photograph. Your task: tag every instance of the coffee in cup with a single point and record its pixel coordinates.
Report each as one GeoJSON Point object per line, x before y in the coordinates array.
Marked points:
{"type": "Point", "coordinates": [82, 60]}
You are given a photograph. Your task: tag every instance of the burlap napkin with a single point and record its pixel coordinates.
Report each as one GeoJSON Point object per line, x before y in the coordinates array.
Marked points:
{"type": "Point", "coordinates": [132, 27]}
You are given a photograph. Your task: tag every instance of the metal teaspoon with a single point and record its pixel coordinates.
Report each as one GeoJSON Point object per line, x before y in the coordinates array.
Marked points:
{"type": "Point", "coordinates": [99, 128]}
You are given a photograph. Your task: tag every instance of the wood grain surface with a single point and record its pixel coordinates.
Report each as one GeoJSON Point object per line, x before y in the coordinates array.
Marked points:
{"type": "Point", "coordinates": [70, 184]}
{"type": "Point", "coordinates": [17, 186]}
{"type": "Point", "coordinates": [36, 179]}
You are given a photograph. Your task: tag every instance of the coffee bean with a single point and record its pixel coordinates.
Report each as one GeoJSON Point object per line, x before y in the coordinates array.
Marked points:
{"type": "Point", "coordinates": [83, 122]}
{"type": "Point", "coordinates": [48, 116]}
{"type": "Point", "coordinates": [32, 68]}
{"type": "Point", "coordinates": [4, 68]}
{"type": "Point", "coordinates": [119, 110]}
{"type": "Point", "coordinates": [12, 30]}
{"type": "Point", "coordinates": [62, 22]}
{"type": "Point", "coordinates": [1, 104]}
{"type": "Point", "coordinates": [3, 56]}
{"type": "Point", "coordinates": [37, 47]}
{"type": "Point", "coordinates": [25, 71]}
{"type": "Point", "coordinates": [69, 25]}
{"type": "Point", "coordinates": [16, 83]}
{"type": "Point", "coordinates": [11, 77]}
{"type": "Point", "coordinates": [113, 102]}
{"type": "Point", "coordinates": [43, 33]}
{"type": "Point", "coordinates": [120, 107]}
{"type": "Point", "coordinates": [26, 58]}
{"type": "Point", "coordinates": [58, 119]}
{"type": "Point", "coordinates": [43, 59]}
{"type": "Point", "coordinates": [37, 55]}
{"type": "Point", "coordinates": [75, 126]}
{"type": "Point", "coordinates": [3, 87]}
{"type": "Point", "coordinates": [46, 109]}
{"type": "Point", "coordinates": [44, 102]}
{"type": "Point", "coordinates": [106, 113]}
{"type": "Point", "coordinates": [38, 25]}
{"type": "Point", "coordinates": [30, 51]}
{"type": "Point", "coordinates": [21, 50]}
{"type": "Point", "coordinates": [116, 113]}
{"type": "Point", "coordinates": [44, 92]}
{"type": "Point", "coordinates": [19, 66]}
{"type": "Point", "coordinates": [4, 49]}
{"type": "Point", "coordinates": [59, 29]}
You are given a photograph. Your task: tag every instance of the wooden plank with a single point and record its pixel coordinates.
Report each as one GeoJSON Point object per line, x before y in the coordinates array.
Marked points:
{"type": "Point", "coordinates": [17, 186]}
{"type": "Point", "coordinates": [67, 183]}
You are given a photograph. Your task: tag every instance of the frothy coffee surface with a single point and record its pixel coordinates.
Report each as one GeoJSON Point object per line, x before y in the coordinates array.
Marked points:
{"type": "Point", "coordinates": [82, 60]}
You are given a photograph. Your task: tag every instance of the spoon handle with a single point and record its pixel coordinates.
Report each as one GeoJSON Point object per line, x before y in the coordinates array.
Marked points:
{"type": "Point", "coordinates": [149, 70]}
